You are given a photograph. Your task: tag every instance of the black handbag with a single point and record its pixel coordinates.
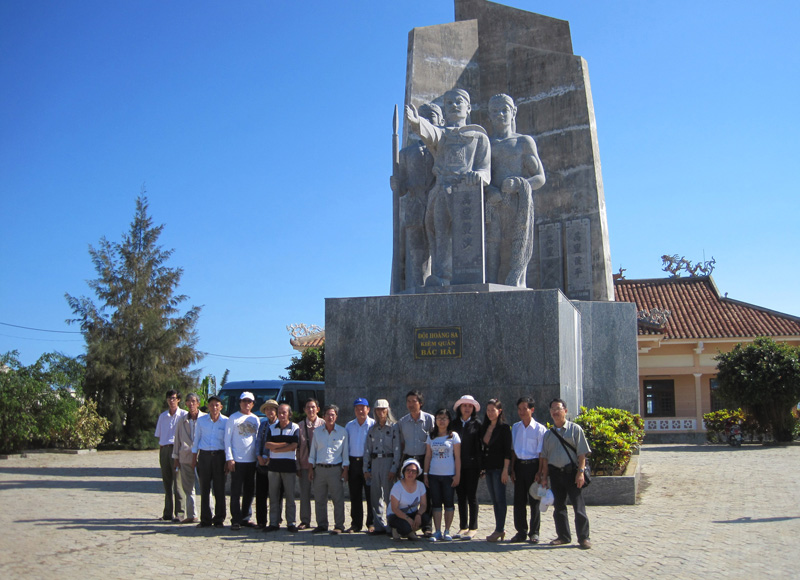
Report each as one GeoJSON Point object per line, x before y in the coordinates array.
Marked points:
{"type": "Point", "coordinates": [587, 472]}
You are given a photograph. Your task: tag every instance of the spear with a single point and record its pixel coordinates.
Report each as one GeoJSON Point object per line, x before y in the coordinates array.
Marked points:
{"type": "Point", "coordinates": [396, 274]}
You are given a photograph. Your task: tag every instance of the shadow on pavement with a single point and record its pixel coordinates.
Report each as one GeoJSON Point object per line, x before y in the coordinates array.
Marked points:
{"type": "Point", "coordinates": [693, 448]}
{"type": "Point", "coordinates": [749, 520]}
{"type": "Point", "coordinates": [147, 525]}
{"type": "Point", "coordinates": [114, 479]}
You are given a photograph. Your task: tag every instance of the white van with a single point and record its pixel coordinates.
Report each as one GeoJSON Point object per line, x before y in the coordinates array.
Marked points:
{"type": "Point", "coordinates": [295, 393]}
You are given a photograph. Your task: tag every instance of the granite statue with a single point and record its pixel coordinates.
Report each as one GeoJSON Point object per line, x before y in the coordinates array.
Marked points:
{"type": "Point", "coordinates": [411, 183]}
{"type": "Point", "coordinates": [516, 172]}
{"type": "Point", "coordinates": [462, 165]}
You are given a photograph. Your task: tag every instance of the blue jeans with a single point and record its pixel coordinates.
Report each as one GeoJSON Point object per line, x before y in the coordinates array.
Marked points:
{"type": "Point", "coordinates": [497, 491]}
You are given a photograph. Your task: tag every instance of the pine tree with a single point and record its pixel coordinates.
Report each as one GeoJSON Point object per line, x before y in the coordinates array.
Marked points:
{"type": "Point", "coordinates": [138, 344]}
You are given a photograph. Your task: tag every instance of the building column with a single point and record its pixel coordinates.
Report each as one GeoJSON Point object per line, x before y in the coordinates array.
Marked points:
{"type": "Point", "coordinates": [698, 401]}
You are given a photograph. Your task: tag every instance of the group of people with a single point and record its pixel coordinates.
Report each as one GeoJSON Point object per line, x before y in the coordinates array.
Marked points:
{"type": "Point", "coordinates": [410, 473]}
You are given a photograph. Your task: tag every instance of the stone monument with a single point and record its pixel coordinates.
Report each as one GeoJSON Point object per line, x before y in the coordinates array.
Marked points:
{"type": "Point", "coordinates": [501, 278]}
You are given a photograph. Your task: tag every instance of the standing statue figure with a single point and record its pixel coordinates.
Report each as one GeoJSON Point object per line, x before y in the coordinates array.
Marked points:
{"type": "Point", "coordinates": [461, 154]}
{"type": "Point", "coordinates": [414, 180]}
{"type": "Point", "coordinates": [516, 172]}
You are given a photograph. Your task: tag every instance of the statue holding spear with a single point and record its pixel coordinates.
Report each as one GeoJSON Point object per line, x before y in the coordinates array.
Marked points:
{"type": "Point", "coordinates": [412, 179]}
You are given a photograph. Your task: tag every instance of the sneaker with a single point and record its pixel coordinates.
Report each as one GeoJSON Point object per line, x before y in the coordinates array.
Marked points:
{"type": "Point", "coordinates": [447, 537]}
{"type": "Point", "coordinates": [395, 534]}
{"type": "Point", "coordinates": [436, 537]}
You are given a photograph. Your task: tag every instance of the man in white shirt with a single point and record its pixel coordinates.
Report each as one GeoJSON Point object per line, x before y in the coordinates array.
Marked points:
{"type": "Point", "coordinates": [358, 485]}
{"type": "Point", "coordinates": [330, 463]}
{"type": "Point", "coordinates": [165, 431]}
{"type": "Point", "coordinates": [241, 433]}
{"type": "Point", "coordinates": [527, 437]}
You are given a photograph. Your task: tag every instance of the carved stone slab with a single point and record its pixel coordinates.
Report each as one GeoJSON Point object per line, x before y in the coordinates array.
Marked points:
{"type": "Point", "coordinates": [578, 241]}
{"type": "Point", "coordinates": [468, 224]}
{"type": "Point", "coordinates": [551, 271]}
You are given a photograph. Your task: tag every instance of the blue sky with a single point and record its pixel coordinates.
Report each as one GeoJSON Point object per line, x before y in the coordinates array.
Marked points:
{"type": "Point", "coordinates": [262, 132]}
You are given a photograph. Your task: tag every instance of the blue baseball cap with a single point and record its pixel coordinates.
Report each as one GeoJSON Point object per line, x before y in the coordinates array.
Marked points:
{"type": "Point", "coordinates": [361, 401]}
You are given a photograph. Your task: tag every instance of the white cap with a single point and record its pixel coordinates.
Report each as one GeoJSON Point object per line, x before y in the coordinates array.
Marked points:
{"type": "Point", "coordinates": [247, 395]}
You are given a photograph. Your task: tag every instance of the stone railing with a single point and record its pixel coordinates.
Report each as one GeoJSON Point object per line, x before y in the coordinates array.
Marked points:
{"type": "Point", "coordinates": [670, 424]}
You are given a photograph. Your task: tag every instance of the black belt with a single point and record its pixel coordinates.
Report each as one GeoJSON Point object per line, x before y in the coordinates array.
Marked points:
{"type": "Point", "coordinates": [527, 461]}
{"type": "Point", "coordinates": [380, 455]}
{"type": "Point", "coordinates": [565, 468]}
{"type": "Point", "coordinates": [212, 451]}
{"type": "Point", "coordinates": [328, 465]}
{"type": "Point", "coordinates": [352, 459]}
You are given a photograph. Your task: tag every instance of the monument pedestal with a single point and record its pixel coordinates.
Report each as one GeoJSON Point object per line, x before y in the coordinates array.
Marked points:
{"type": "Point", "coordinates": [487, 344]}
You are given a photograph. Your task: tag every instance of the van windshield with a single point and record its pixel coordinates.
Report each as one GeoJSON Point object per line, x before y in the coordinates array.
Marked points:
{"type": "Point", "coordinates": [230, 399]}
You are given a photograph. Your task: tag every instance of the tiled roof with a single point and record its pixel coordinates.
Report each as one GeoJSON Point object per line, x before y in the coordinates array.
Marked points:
{"type": "Point", "coordinates": [698, 311]}
{"type": "Point", "coordinates": [315, 340]}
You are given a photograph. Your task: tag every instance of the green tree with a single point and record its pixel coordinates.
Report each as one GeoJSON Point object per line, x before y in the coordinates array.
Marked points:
{"type": "Point", "coordinates": [138, 344]}
{"type": "Point", "coordinates": [764, 379]}
{"type": "Point", "coordinates": [309, 366]}
{"type": "Point", "coordinates": [38, 407]}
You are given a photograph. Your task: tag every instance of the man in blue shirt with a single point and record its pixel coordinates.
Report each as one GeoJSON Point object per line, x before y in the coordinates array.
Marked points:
{"type": "Point", "coordinates": [357, 433]}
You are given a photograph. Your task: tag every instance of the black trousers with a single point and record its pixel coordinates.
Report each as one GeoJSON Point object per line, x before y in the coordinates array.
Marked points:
{"type": "Point", "coordinates": [524, 474]}
{"type": "Point", "coordinates": [467, 491]}
{"type": "Point", "coordinates": [262, 493]}
{"type": "Point", "coordinates": [357, 486]}
{"type": "Point", "coordinates": [211, 473]}
{"type": "Point", "coordinates": [242, 488]}
{"type": "Point", "coordinates": [562, 482]}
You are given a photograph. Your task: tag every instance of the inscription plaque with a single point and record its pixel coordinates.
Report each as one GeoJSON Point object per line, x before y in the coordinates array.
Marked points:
{"type": "Point", "coordinates": [468, 234]}
{"type": "Point", "coordinates": [550, 263]}
{"type": "Point", "coordinates": [437, 342]}
{"type": "Point", "coordinates": [579, 259]}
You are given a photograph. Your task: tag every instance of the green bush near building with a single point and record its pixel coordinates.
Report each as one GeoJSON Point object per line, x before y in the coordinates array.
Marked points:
{"type": "Point", "coordinates": [613, 435]}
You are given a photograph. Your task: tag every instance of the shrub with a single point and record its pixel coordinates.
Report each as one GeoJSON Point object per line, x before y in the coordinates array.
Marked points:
{"type": "Point", "coordinates": [613, 435]}
{"type": "Point", "coordinates": [717, 422]}
{"type": "Point", "coordinates": [87, 429]}
{"type": "Point", "coordinates": [37, 409]}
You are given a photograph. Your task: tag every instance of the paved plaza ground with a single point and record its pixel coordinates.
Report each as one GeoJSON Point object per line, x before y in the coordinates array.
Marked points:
{"type": "Point", "coordinates": [703, 512]}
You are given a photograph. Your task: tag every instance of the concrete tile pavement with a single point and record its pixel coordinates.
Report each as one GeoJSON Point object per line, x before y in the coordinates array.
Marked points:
{"type": "Point", "coordinates": [704, 511]}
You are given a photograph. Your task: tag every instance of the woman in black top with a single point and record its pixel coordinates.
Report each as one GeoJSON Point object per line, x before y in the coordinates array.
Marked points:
{"type": "Point", "coordinates": [496, 444]}
{"type": "Point", "coordinates": [469, 429]}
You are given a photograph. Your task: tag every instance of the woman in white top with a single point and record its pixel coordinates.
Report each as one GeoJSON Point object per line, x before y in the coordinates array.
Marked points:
{"type": "Point", "coordinates": [406, 510]}
{"type": "Point", "coordinates": [442, 471]}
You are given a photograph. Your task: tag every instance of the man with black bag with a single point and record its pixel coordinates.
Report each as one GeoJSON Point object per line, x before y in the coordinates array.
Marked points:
{"type": "Point", "coordinates": [563, 459]}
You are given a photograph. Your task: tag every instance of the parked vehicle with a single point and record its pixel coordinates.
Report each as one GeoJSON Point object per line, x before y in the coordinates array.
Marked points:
{"type": "Point", "coordinates": [295, 393]}
{"type": "Point", "coordinates": [735, 435]}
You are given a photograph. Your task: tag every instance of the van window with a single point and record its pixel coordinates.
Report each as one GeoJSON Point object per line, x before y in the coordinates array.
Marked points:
{"type": "Point", "coordinates": [303, 395]}
{"type": "Point", "coordinates": [287, 397]}
{"type": "Point", "coordinates": [230, 400]}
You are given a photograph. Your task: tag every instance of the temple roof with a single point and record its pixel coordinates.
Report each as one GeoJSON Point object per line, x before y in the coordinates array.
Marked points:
{"type": "Point", "coordinates": [698, 311]}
